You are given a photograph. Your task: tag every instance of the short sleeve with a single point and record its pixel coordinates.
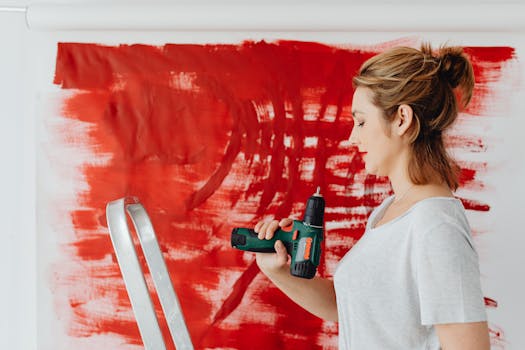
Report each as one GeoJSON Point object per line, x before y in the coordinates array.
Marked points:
{"type": "Point", "coordinates": [448, 277]}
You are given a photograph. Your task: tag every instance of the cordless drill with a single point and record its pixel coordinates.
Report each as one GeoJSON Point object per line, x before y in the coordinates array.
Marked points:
{"type": "Point", "coordinates": [301, 239]}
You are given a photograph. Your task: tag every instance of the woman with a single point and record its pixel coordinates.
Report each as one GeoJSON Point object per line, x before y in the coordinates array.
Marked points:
{"type": "Point", "coordinates": [412, 281]}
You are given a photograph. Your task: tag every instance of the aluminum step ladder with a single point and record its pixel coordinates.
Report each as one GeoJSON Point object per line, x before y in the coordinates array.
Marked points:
{"type": "Point", "coordinates": [134, 276]}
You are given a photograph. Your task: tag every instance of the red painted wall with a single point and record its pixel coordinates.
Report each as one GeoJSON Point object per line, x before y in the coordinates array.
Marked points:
{"type": "Point", "coordinates": [210, 137]}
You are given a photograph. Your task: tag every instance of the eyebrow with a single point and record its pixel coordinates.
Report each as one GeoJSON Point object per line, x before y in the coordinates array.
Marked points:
{"type": "Point", "coordinates": [354, 112]}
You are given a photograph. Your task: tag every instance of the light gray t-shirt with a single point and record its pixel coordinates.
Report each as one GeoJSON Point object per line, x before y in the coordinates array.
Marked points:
{"type": "Point", "coordinates": [406, 275]}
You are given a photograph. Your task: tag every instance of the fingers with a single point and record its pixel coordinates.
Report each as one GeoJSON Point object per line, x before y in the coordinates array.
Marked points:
{"type": "Point", "coordinates": [258, 226]}
{"type": "Point", "coordinates": [260, 229]}
{"type": "Point", "coordinates": [285, 222]}
{"type": "Point", "coordinates": [272, 227]}
{"type": "Point", "coordinates": [267, 229]}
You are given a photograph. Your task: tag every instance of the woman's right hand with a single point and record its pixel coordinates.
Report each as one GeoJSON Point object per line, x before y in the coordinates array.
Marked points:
{"type": "Point", "coordinates": [317, 295]}
{"type": "Point", "coordinates": [271, 262]}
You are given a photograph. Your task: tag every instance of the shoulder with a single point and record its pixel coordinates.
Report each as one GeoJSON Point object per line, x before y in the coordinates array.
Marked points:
{"type": "Point", "coordinates": [438, 211]}
{"type": "Point", "coordinates": [441, 222]}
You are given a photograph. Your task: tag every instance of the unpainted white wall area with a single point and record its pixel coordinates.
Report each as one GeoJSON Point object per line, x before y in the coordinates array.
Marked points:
{"type": "Point", "coordinates": [17, 183]}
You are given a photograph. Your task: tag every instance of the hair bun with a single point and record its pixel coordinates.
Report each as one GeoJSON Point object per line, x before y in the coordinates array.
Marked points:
{"type": "Point", "coordinates": [453, 65]}
{"type": "Point", "coordinates": [456, 69]}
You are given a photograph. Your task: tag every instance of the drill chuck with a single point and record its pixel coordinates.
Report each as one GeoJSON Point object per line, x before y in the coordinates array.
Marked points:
{"type": "Point", "coordinates": [314, 213]}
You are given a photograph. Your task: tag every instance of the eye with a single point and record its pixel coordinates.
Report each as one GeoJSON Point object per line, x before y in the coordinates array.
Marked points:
{"type": "Point", "coordinates": [360, 124]}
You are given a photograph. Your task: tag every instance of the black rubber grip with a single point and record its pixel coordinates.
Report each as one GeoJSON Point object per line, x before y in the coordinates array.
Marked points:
{"type": "Point", "coordinates": [237, 239]}
{"type": "Point", "coordinates": [304, 269]}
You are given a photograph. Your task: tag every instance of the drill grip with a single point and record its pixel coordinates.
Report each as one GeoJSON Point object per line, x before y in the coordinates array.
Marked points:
{"type": "Point", "coordinates": [302, 244]}
{"type": "Point", "coordinates": [246, 239]}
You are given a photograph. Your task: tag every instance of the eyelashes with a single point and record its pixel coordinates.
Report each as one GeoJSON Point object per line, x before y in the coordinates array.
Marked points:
{"type": "Point", "coordinates": [358, 123]}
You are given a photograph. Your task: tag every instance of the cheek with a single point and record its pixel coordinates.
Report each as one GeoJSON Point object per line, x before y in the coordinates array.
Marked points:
{"type": "Point", "coordinates": [377, 147]}
{"type": "Point", "coordinates": [370, 138]}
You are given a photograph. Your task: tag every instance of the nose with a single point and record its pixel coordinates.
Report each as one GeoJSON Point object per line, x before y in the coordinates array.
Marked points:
{"type": "Point", "coordinates": [354, 139]}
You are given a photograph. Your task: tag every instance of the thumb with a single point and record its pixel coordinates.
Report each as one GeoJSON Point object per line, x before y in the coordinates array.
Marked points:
{"type": "Point", "coordinates": [282, 254]}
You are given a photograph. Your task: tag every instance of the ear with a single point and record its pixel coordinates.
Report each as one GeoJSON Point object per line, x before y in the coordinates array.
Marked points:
{"type": "Point", "coordinates": [403, 120]}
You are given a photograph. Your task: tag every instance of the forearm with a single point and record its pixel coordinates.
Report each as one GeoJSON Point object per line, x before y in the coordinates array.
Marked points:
{"type": "Point", "coordinates": [316, 295]}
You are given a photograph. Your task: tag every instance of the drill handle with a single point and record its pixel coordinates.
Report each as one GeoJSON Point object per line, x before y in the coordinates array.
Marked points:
{"type": "Point", "coordinates": [246, 239]}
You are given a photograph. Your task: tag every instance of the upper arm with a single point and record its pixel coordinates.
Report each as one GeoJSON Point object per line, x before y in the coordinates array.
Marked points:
{"type": "Point", "coordinates": [448, 277]}
{"type": "Point", "coordinates": [464, 336]}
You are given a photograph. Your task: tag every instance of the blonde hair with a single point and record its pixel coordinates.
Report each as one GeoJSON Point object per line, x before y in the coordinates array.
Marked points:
{"type": "Point", "coordinates": [426, 81]}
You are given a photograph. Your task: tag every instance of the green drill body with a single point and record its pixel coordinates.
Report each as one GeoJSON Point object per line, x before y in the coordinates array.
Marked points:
{"type": "Point", "coordinates": [302, 239]}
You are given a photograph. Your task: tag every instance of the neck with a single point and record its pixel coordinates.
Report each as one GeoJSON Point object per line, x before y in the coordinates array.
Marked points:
{"type": "Point", "coordinates": [401, 183]}
{"type": "Point", "coordinates": [399, 178]}
{"type": "Point", "coordinates": [405, 189]}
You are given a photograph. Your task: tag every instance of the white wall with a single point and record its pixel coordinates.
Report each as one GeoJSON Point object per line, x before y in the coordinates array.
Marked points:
{"type": "Point", "coordinates": [17, 174]}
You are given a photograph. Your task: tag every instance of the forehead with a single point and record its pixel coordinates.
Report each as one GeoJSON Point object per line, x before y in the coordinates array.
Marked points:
{"type": "Point", "coordinates": [362, 95]}
{"type": "Point", "coordinates": [362, 100]}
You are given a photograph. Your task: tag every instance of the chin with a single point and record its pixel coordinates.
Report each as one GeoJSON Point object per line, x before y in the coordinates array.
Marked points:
{"type": "Point", "coordinates": [373, 171]}
{"type": "Point", "coordinates": [370, 171]}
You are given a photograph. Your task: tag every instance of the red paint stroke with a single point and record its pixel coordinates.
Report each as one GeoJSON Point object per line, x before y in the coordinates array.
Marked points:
{"type": "Point", "coordinates": [497, 338]}
{"type": "Point", "coordinates": [209, 137]}
{"type": "Point", "coordinates": [474, 205]}
{"type": "Point", "coordinates": [235, 297]}
{"type": "Point", "coordinates": [490, 302]}
{"type": "Point", "coordinates": [488, 63]}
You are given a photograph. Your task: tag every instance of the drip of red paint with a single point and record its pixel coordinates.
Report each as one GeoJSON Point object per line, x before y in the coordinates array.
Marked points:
{"type": "Point", "coordinates": [210, 137]}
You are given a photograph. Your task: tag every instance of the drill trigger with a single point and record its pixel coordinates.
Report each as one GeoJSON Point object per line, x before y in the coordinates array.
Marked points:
{"type": "Point", "coordinates": [287, 228]}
